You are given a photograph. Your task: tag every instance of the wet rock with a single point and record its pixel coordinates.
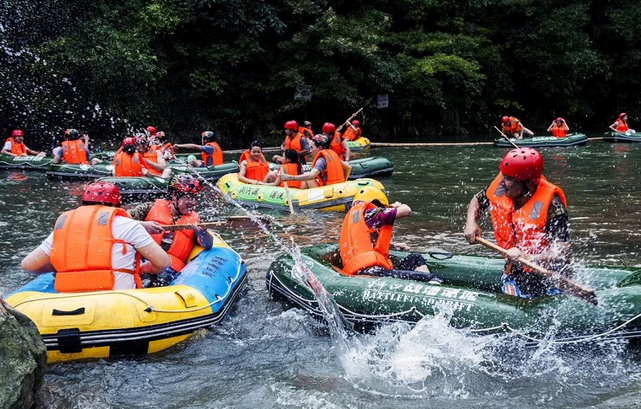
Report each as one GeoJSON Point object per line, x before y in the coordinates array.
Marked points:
{"type": "Point", "coordinates": [23, 359]}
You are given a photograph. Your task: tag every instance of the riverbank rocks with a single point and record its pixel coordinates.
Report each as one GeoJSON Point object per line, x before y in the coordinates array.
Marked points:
{"type": "Point", "coordinates": [23, 359]}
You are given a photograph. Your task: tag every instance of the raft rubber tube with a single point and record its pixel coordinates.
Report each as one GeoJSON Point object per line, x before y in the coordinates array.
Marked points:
{"type": "Point", "coordinates": [37, 163]}
{"type": "Point", "coordinates": [471, 292]}
{"type": "Point", "coordinates": [621, 137]}
{"type": "Point", "coordinates": [108, 324]}
{"type": "Point", "coordinates": [361, 168]}
{"type": "Point", "coordinates": [573, 139]}
{"type": "Point", "coordinates": [337, 197]}
{"type": "Point", "coordinates": [360, 144]}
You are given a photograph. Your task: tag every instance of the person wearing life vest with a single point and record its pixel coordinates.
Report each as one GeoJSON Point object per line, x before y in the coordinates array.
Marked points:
{"type": "Point", "coordinates": [167, 148]}
{"type": "Point", "coordinates": [179, 209]}
{"type": "Point", "coordinates": [97, 246]}
{"type": "Point", "coordinates": [294, 140]}
{"type": "Point", "coordinates": [153, 157]}
{"type": "Point", "coordinates": [620, 125]}
{"type": "Point", "coordinates": [366, 238]}
{"type": "Point", "coordinates": [306, 130]}
{"type": "Point", "coordinates": [128, 161]}
{"type": "Point", "coordinates": [337, 143]}
{"type": "Point", "coordinates": [210, 152]}
{"type": "Point", "coordinates": [327, 167]}
{"type": "Point", "coordinates": [151, 132]}
{"type": "Point", "coordinates": [513, 128]}
{"type": "Point", "coordinates": [253, 167]}
{"type": "Point", "coordinates": [73, 150]}
{"type": "Point", "coordinates": [559, 128]}
{"type": "Point", "coordinates": [290, 166]}
{"type": "Point", "coordinates": [352, 130]}
{"type": "Point", "coordinates": [530, 219]}
{"type": "Point", "coordinates": [14, 146]}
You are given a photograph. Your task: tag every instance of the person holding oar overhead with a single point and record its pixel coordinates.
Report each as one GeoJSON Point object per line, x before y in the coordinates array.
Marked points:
{"type": "Point", "coordinates": [179, 209]}
{"type": "Point", "coordinates": [559, 128]}
{"type": "Point", "coordinates": [530, 220]}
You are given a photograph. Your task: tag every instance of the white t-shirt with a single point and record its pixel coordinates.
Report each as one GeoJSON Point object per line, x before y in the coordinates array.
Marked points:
{"type": "Point", "coordinates": [128, 230]}
{"type": "Point", "coordinates": [7, 146]}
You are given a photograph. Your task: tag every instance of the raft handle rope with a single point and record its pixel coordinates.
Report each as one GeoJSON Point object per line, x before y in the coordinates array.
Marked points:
{"type": "Point", "coordinates": [579, 340]}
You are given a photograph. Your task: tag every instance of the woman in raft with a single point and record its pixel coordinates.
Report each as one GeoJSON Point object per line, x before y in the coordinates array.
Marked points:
{"type": "Point", "coordinates": [290, 166]}
{"type": "Point", "coordinates": [327, 167]}
{"type": "Point", "coordinates": [253, 165]}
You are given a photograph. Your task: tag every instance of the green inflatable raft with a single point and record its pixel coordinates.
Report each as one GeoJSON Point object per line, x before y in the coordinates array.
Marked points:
{"type": "Point", "coordinates": [105, 169]}
{"type": "Point", "coordinates": [136, 189]}
{"type": "Point", "coordinates": [361, 168]}
{"type": "Point", "coordinates": [573, 139]}
{"type": "Point", "coordinates": [337, 197]}
{"type": "Point", "coordinates": [37, 163]}
{"type": "Point", "coordinates": [621, 137]}
{"type": "Point", "coordinates": [471, 292]}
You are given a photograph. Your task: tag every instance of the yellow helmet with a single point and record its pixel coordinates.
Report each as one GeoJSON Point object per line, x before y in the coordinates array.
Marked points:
{"type": "Point", "coordinates": [370, 194]}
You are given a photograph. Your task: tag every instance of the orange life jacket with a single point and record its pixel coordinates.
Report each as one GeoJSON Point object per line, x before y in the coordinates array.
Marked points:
{"type": "Point", "coordinates": [621, 127]}
{"type": "Point", "coordinates": [82, 247]}
{"type": "Point", "coordinates": [559, 131]}
{"type": "Point", "coordinates": [333, 173]}
{"type": "Point", "coordinates": [256, 169]}
{"type": "Point", "coordinates": [168, 147]}
{"type": "Point", "coordinates": [152, 156]}
{"type": "Point", "coordinates": [183, 240]}
{"type": "Point", "coordinates": [307, 132]}
{"type": "Point", "coordinates": [291, 169]}
{"type": "Point", "coordinates": [351, 134]}
{"type": "Point", "coordinates": [128, 165]}
{"type": "Point", "coordinates": [515, 126]}
{"type": "Point", "coordinates": [216, 157]}
{"type": "Point", "coordinates": [244, 156]}
{"type": "Point", "coordinates": [74, 152]}
{"type": "Point", "coordinates": [17, 148]}
{"type": "Point", "coordinates": [355, 243]}
{"type": "Point", "coordinates": [336, 145]}
{"type": "Point", "coordinates": [295, 144]}
{"type": "Point", "coordinates": [523, 228]}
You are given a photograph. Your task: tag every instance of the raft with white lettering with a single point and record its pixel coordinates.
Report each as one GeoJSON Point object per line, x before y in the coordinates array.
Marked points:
{"type": "Point", "coordinates": [471, 295]}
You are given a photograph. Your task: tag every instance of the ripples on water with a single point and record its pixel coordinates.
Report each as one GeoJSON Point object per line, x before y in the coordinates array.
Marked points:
{"type": "Point", "coordinates": [268, 357]}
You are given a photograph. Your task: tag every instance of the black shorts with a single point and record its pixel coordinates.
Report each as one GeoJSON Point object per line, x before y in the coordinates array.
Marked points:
{"type": "Point", "coordinates": [403, 269]}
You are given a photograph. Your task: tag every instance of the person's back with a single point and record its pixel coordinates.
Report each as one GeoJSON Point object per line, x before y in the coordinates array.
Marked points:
{"type": "Point", "coordinates": [333, 172]}
{"type": "Point", "coordinates": [128, 162]}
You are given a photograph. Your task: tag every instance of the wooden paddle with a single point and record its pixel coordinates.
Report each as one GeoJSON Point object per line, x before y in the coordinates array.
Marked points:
{"type": "Point", "coordinates": [349, 119]}
{"type": "Point", "coordinates": [289, 199]}
{"type": "Point", "coordinates": [506, 137]}
{"type": "Point", "coordinates": [563, 283]}
{"type": "Point", "coordinates": [231, 221]}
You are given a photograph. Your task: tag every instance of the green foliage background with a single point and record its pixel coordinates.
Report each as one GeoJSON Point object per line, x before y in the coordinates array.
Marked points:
{"type": "Point", "coordinates": [449, 67]}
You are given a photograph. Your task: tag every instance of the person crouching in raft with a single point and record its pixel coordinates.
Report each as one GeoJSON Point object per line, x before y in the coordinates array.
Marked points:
{"type": "Point", "coordinates": [106, 254]}
{"type": "Point", "coordinates": [513, 127]}
{"type": "Point", "coordinates": [293, 140]}
{"type": "Point", "coordinates": [72, 150]}
{"type": "Point", "coordinates": [327, 167]}
{"type": "Point", "coordinates": [253, 165]}
{"type": "Point", "coordinates": [290, 166]}
{"type": "Point", "coordinates": [559, 128]}
{"type": "Point", "coordinates": [179, 209]}
{"type": "Point", "coordinates": [620, 125]}
{"type": "Point", "coordinates": [366, 236]}
{"type": "Point", "coordinates": [337, 143]}
{"type": "Point", "coordinates": [530, 220]}
{"type": "Point", "coordinates": [14, 146]}
{"type": "Point", "coordinates": [210, 152]}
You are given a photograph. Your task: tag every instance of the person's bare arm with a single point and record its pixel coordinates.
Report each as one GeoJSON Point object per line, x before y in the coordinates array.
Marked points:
{"type": "Point", "coordinates": [157, 259]}
{"type": "Point", "coordinates": [37, 262]}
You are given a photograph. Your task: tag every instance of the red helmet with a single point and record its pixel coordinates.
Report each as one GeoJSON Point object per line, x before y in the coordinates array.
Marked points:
{"type": "Point", "coordinates": [622, 114]}
{"type": "Point", "coordinates": [185, 184]}
{"type": "Point", "coordinates": [560, 119]}
{"type": "Point", "coordinates": [129, 141]}
{"type": "Point", "coordinates": [505, 119]}
{"type": "Point", "coordinates": [329, 128]}
{"type": "Point", "coordinates": [293, 125]}
{"type": "Point", "coordinates": [522, 164]}
{"type": "Point", "coordinates": [17, 132]}
{"type": "Point", "coordinates": [356, 123]}
{"type": "Point", "coordinates": [152, 130]}
{"type": "Point", "coordinates": [102, 192]}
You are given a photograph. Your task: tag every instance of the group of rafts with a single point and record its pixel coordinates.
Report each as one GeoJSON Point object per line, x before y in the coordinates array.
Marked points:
{"type": "Point", "coordinates": [112, 323]}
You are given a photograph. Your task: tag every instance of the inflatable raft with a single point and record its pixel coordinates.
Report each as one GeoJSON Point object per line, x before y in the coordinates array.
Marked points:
{"type": "Point", "coordinates": [361, 144]}
{"type": "Point", "coordinates": [361, 168]}
{"type": "Point", "coordinates": [621, 137]}
{"type": "Point", "coordinates": [573, 139]}
{"type": "Point", "coordinates": [336, 197]}
{"type": "Point", "coordinates": [139, 188]}
{"type": "Point", "coordinates": [471, 292]}
{"type": "Point", "coordinates": [37, 163]}
{"type": "Point", "coordinates": [106, 324]}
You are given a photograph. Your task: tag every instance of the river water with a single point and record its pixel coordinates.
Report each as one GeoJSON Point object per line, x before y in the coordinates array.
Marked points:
{"type": "Point", "coordinates": [264, 356]}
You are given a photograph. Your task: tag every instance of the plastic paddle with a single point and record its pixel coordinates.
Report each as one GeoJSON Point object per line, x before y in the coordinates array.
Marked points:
{"type": "Point", "coordinates": [349, 119]}
{"type": "Point", "coordinates": [563, 283]}
{"type": "Point", "coordinates": [231, 221]}
{"type": "Point", "coordinates": [506, 137]}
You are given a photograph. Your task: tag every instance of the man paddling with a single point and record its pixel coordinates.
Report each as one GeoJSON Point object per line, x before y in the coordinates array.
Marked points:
{"type": "Point", "coordinates": [179, 209]}
{"type": "Point", "coordinates": [97, 246]}
{"type": "Point", "coordinates": [530, 220]}
{"type": "Point", "coordinates": [366, 238]}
